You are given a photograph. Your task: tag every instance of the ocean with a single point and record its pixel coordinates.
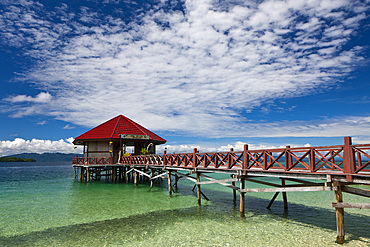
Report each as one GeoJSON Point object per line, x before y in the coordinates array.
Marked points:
{"type": "Point", "coordinates": [41, 204]}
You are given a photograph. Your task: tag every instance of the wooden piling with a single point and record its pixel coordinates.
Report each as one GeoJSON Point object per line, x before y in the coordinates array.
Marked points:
{"type": "Point", "coordinates": [151, 176]}
{"type": "Point", "coordinates": [272, 200]}
{"type": "Point", "coordinates": [285, 199]}
{"type": "Point", "coordinates": [127, 176]}
{"type": "Point", "coordinates": [234, 191]}
{"type": "Point", "coordinates": [82, 173]}
{"type": "Point", "coordinates": [229, 165]}
{"type": "Point", "coordinates": [339, 213]}
{"type": "Point", "coordinates": [114, 174]}
{"type": "Point", "coordinates": [242, 197]}
{"type": "Point", "coordinates": [198, 190]}
{"type": "Point", "coordinates": [169, 183]}
{"type": "Point", "coordinates": [136, 178]}
{"type": "Point", "coordinates": [176, 180]}
{"type": "Point", "coordinates": [98, 174]}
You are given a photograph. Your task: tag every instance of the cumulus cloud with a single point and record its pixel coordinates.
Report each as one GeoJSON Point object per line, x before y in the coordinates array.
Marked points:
{"type": "Point", "coordinates": [197, 69]}
{"type": "Point", "coordinates": [19, 145]}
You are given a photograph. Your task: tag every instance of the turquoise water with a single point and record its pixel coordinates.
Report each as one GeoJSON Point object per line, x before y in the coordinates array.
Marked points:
{"type": "Point", "coordinates": [43, 205]}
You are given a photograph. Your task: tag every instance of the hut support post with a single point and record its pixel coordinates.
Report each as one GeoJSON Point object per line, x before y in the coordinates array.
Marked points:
{"type": "Point", "coordinates": [82, 173]}
{"type": "Point", "coordinates": [114, 173]}
{"type": "Point", "coordinates": [151, 180]}
{"type": "Point", "coordinates": [127, 176]}
{"type": "Point", "coordinates": [98, 174]}
{"type": "Point", "coordinates": [339, 213]}
{"type": "Point", "coordinates": [87, 174]}
{"type": "Point", "coordinates": [136, 178]}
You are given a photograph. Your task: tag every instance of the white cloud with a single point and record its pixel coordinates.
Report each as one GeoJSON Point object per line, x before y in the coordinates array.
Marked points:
{"type": "Point", "coordinates": [335, 127]}
{"type": "Point", "coordinates": [205, 148]}
{"type": "Point", "coordinates": [68, 127]}
{"type": "Point", "coordinates": [196, 71]}
{"type": "Point", "coordinates": [19, 145]}
{"type": "Point", "coordinates": [40, 98]}
{"type": "Point", "coordinates": [41, 123]}
{"type": "Point", "coordinates": [21, 111]}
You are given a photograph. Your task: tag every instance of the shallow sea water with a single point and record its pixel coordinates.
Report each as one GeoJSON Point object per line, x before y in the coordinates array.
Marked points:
{"type": "Point", "coordinates": [43, 205]}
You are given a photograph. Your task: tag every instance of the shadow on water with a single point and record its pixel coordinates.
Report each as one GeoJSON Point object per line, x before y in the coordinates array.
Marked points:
{"type": "Point", "coordinates": [355, 224]}
{"type": "Point", "coordinates": [141, 227]}
{"type": "Point", "coordinates": [221, 209]}
{"type": "Point", "coordinates": [126, 229]}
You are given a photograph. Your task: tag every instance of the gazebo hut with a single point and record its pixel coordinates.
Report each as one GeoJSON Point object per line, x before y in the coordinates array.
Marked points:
{"type": "Point", "coordinates": [111, 138]}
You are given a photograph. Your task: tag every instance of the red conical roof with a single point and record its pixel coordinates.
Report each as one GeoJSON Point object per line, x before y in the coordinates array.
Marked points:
{"type": "Point", "coordinates": [115, 127]}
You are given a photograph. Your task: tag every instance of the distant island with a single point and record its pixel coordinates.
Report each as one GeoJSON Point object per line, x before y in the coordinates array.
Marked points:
{"type": "Point", "coordinates": [32, 157]}
{"type": "Point", "coordinates": [14, 159]}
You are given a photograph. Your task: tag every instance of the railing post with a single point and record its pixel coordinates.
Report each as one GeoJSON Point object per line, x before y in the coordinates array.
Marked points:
{"type": "Point", "coordinates": [194, 158]}
{"type": "Point", "coordinates": [245, 158]}
{"type": "Point", "coordinates": [164, 159]}
{"type": "Point", "coordinates": [331, 154]}
{"type": "Point", "coordinates": [265, 163]}
{"type": "Point", "coordinates": [287, 159]}
{"type": "Point", "coordinates": [348, 158]}
{"type": "Point", "coordinates": [311, 159]}
{"type": "Point", "coordinates": [229, 158]}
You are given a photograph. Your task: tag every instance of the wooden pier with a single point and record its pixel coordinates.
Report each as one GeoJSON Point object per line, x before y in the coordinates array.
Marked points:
{"type": "Point", "coordinates": [326, 168]}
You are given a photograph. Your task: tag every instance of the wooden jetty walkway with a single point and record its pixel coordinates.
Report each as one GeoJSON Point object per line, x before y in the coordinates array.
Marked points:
{"type": "Point", "coordinates": [325, 168]}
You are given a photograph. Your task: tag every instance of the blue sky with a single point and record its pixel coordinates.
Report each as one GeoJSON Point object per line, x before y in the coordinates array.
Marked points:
{"type": "Point", "coordinates": [206, 74]}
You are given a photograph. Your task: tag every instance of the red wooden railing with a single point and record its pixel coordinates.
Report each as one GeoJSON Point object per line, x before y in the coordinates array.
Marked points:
{"type": "Point", "coordinates": [92, 161]}
{"type": "Point", "coordinates": [344, 159]}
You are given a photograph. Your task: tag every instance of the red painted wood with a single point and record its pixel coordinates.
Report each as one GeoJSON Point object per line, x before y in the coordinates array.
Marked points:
{"type": "Point", "coordinates": [350, 160]}
{"type": "Point", "coordinates": [112, 128]}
